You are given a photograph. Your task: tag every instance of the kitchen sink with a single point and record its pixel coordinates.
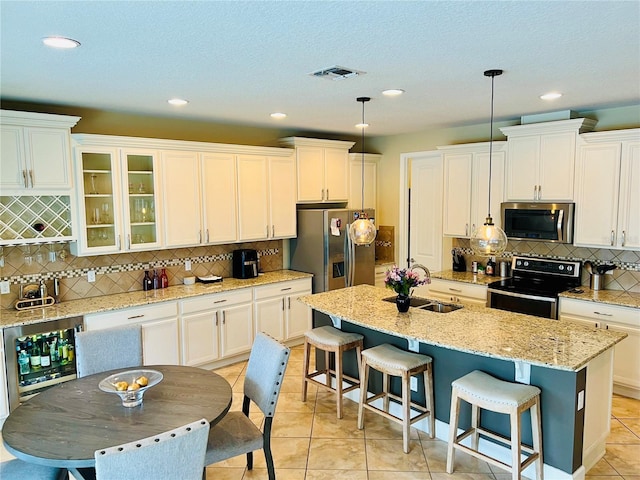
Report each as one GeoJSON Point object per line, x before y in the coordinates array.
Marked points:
{"type": "Point", "coordinates": [441, 307]}
{"type": "Point", "coordinates": [427, 304]}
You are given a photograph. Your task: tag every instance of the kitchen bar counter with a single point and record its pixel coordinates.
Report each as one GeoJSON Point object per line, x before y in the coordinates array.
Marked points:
{"type": "Point", "coordinates": [571, 364]}
{"type": "Point", "coordinates": [75, 308]}
{"type": "Point", "coordinates": [472, 329]}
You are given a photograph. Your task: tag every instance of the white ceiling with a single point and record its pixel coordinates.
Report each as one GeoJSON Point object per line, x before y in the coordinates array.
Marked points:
{"type": "Point", "coordinates": [238, 61]}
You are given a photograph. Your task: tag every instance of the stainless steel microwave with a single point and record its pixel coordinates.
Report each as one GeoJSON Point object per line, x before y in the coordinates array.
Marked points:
{"type": "Point", "coordinates": [544, 222]}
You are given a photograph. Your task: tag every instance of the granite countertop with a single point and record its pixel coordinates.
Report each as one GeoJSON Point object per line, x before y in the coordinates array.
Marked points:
{"type": "Point", "coordinates": [612, 297]}
{"type": "Point", "coordinates": [473, 329]}
{"type": "Point", "coordinates": [75, 308]}
{"type": "Point", "coordinates": [466, 277]}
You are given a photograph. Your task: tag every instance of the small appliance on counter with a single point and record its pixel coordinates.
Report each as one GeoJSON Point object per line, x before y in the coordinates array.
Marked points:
{"type": "Point", "coordinates": [459, 264]}
{"type": "Point", "coordinates": [35, 295]}
{"type": "Point", "coordinates": [245, 263]}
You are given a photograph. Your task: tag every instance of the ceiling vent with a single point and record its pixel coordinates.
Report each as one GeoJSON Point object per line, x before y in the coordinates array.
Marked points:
{"type": "Point", "coordinates": [336, 72]}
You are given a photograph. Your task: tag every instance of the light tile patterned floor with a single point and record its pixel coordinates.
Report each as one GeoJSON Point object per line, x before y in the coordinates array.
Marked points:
{"type": "Point", "coordinates": [309, 443]}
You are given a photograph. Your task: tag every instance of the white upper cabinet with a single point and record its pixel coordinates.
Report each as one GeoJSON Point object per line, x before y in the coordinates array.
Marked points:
{"type": "Point", "coordinates": [35, 152]}
{"type": "Point", "coordinates": [466, 186]}
{"type": "Point", "coordinates": [219, 193]}
{"type": "Point", "coordinates": [322, 169]}
{"type": "Point", "coordinates": [608, 190]}
{"type": "Point", "coordinates": [117, 190]}
{"type": "Point", "coordinates": [181, 198]}
{"type": "Point", "coordinates": [370, 180]}
{"type": "Point", "coordinates": [266, 197]}
{"type": "Point", "coordinates": [253, 206]}
{"type": "Point", "coordinates": [282, 197]}
{"type": "Point", "coordinates": [541, 160]}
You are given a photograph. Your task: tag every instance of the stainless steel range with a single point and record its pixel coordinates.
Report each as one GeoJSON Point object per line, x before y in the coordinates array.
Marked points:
{"type": "Point", "coordinates": [534, 286]}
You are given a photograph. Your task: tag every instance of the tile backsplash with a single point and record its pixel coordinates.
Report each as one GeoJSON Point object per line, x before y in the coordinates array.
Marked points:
{"type": "Point", "coordinates": [121, 272]}
{"type": "Point", "coordinates": [625, 277]}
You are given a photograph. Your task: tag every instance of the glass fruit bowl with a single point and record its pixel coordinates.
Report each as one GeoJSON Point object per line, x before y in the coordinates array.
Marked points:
{"type": "Point", "coordinates": [131, 385]}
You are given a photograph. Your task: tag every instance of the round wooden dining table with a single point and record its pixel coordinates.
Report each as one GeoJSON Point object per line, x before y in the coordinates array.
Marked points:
{"type": "Point", "coordinates": [64, 425]}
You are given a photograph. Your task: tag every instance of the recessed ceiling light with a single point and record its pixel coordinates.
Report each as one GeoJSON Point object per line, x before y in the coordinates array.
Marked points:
{"type": "Point", "coordinates": [278, 115]}
{"type": "Point", "coordinates": [393, 92]}
{"type": "Point", "coordinates": [550, 96]}
{"type": "Point", "coordinates": [60, 42]}
{"type": "Point", "coordinates": [362, 125]}
{"type": "Point", "coordinates": [178, 102]}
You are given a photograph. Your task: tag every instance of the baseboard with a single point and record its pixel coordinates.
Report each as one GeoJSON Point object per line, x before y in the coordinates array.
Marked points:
{"type": "Point", "coordinates": [489, 448]}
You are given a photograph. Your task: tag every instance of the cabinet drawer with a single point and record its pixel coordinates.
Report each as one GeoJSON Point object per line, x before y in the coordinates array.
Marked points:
{"type": "Point", "coordinates": [282, 288]}
{"type": "Point", "coordinates": [115, 318]}
{"type": "Point", "coordinates": [600, 311]}
{"type": "Point", "coordinates": [215, 301]}
{"type": "Point", "coordinates": [459, 289]}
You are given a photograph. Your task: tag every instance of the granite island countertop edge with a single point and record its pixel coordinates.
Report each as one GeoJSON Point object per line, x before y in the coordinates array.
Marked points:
{"type": "Point", "coordinates": [516, 337]}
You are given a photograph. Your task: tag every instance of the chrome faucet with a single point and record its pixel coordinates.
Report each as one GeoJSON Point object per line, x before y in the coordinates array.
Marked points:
{"type": "Point", "coordinates": [427, 273]}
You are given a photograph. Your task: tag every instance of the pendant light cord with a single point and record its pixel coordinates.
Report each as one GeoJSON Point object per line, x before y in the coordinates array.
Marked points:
{"type": "Point", "coordinates": [490, 146]}
{"type": "Point", "coordinates": [363, 127]}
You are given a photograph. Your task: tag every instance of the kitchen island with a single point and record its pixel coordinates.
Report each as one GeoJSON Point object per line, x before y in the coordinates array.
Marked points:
{"type": "Point", "coordinates": [571, 365]}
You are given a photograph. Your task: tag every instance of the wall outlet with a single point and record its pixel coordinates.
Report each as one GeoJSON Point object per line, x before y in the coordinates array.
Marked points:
{"type": "Point", "coordinates": [580, 400]}
{"type": "Point", "coordinates": [91, 276]}
{"type": "Point", "coordinates": [187, 265]}
{"type": "Point", "coordinates": [4, 287]}
{"type": "Point", "coordinates": [414, 384]}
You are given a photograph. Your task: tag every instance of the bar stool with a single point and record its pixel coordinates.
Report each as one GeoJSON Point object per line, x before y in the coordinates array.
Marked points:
{"type": "Point", "coordinates": [483, 391]}
{"type": "Point", "coordinates": [395, 362]}
{"type": "Point", "coordinates": [335, 341]}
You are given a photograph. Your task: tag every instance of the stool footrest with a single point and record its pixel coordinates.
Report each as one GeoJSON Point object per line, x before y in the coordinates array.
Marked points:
{"type": "Point", "coordinates": [501, 438]}
{"type": "Point", "coordinates": [355, 383]}
{"type": "Point", "coordinates": [367, 404]}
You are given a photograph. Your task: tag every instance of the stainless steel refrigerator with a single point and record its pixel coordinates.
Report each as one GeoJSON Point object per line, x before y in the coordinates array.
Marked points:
{"type": "Point", "coordinates": [323, 248]}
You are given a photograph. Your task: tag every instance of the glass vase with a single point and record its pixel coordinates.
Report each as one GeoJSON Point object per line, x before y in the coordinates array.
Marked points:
{"type": "Point", "coordinates": [403, 302]}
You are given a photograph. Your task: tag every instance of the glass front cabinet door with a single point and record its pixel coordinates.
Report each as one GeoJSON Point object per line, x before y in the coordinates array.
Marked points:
{"type": "Point", "coordinates": [117, 200]}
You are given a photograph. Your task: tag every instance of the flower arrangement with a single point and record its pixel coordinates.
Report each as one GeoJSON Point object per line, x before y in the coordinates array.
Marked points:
{"type": "Point", "coordinates": [402, 280]}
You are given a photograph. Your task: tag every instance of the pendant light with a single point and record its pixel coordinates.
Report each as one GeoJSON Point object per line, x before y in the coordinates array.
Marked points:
{"type": "Point", "coordinates": [489, 240]}
{"type": "Point", "coordinates": [362, 231]}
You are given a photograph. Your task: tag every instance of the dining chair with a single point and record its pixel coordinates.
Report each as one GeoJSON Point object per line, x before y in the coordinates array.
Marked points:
{"type": "Point", "coordinates": [18, 470]}
{"type": "Point", "coordinates": [101, 350]}
{"type": "Point", "coordinates": [236, 434]}
{"type": "Point", "coordinates": [172, 455]}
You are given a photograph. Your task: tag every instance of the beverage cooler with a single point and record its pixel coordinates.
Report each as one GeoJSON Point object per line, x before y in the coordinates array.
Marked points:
{"type": "Point", "coordinates": [39, 356]}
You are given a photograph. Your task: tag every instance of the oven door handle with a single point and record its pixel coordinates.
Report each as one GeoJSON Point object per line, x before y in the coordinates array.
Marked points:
{"type": "Point", "coordinates": [523, 295]}
{"type": "Point", "coordinates": [559, 225]}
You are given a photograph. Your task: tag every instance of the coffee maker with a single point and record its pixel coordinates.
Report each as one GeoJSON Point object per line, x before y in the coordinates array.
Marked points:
{"type": "Point", "coordinates": [245, 263]}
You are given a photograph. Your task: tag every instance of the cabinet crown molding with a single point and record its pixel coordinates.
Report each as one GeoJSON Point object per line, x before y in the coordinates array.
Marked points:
{"type": "Point", "coordinates": [475, 147]}
{"type": "Point", "coordinates": [32, 119]}
{"type": "Point", "coordinates": [579, 125]}
{"type": "Point", "coordinates": [315, 142]}
{"type": "Point", "coordinates": [629, 134]}
{"type": "Point", "coordinates": [167, 144]}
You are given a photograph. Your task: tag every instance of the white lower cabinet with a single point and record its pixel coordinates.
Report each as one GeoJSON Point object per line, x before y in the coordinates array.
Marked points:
{"type": "Point", "coordinates": [452, 291]}
{"type": "Point", "coordinates": [160, 336]}
{"type": "Point", "coordinates": [626, 364]}
{"type": "Point", "coordinates": [216, 326]}
{"type": "Point", "coordinates": [278, 312]}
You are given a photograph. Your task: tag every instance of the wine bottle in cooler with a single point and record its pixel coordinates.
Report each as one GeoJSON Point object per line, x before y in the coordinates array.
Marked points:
{"type": "Point", "coordinates": [35, 354]}
{"type": "Point", "coordinates": [45, 355]}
